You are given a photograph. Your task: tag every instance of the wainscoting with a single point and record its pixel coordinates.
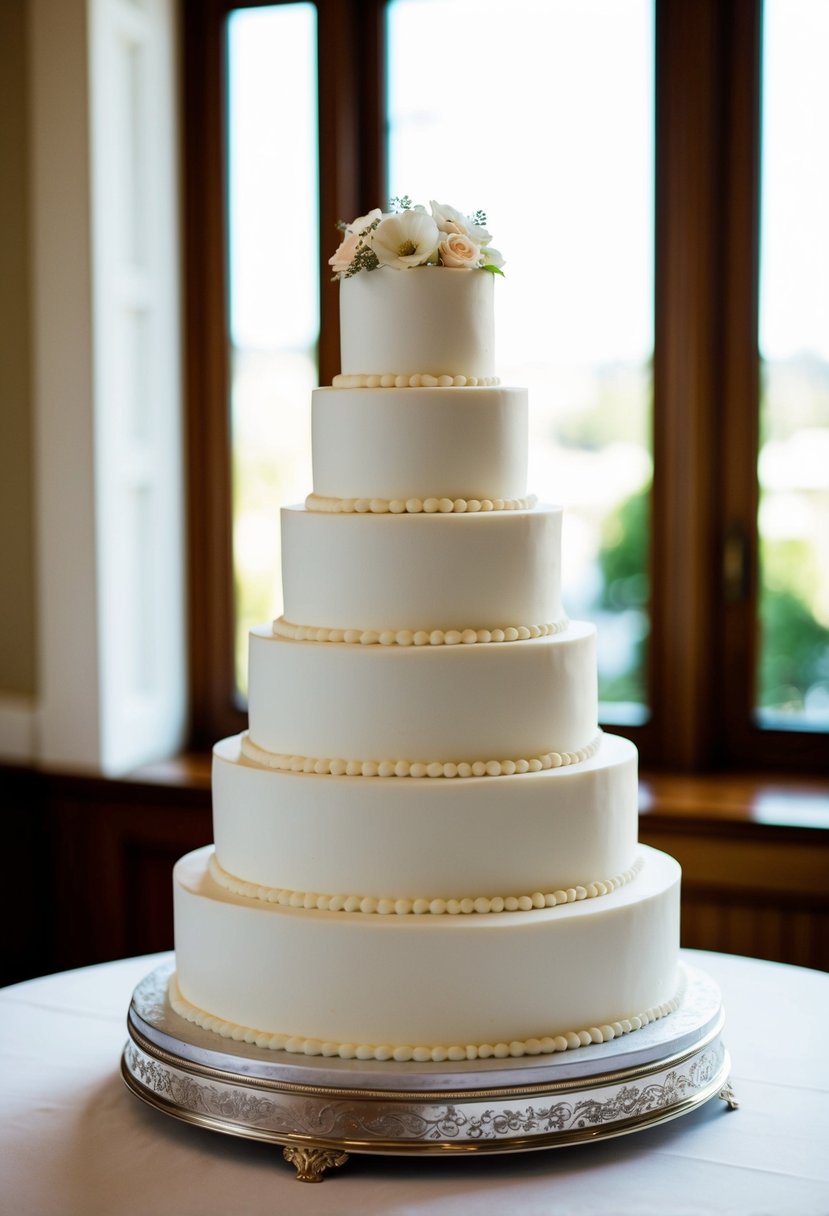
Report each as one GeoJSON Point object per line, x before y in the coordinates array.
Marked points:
{"type": "Point", "coordinates": [755, 864]}
{"type": "Point", "coordinates": [89, 860]}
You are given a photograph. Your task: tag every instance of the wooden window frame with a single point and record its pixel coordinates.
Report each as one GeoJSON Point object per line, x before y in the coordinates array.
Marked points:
{"type": "Point", "coordinates": [704, 639]}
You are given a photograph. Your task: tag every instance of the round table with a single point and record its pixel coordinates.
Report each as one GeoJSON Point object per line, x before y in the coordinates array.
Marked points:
{"type": "Point", "coordinates": [74, 1142]}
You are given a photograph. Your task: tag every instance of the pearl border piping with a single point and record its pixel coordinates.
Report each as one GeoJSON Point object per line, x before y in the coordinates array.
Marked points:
{"type": "Point", "coordinates": [323, 766]}
{"type": "Point", "coordinates": [324, 504]}
{"type": "Point", "coordinates": [415, 637]}
{"type": "Point", "coordinates": [373, 905]}
{"type": "Point", "coordinates": [298, 1045]}
{"type": "Point", "coordinates": [416, 380]}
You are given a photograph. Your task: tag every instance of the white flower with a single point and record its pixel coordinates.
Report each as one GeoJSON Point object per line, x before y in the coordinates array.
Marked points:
{"type": "Point", "coordinates": [449, 220]}
{"type": "Point", "coordinates": [407, 239]}
{"type": "Point", "coordinates": [492, 257]}
{"type": "Point", "coordinates": [457, 250]}
{"type": "Point", "coordinates": [363, 222]}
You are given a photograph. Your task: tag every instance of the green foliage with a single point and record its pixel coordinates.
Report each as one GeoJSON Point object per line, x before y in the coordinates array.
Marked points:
{"type": "Point", "coordinates": [623, 563]}
{"type": "Point", "coordinates": [795, 650]}
{"type": "Point", "coordinates": [795, 646]}
{"type": "Point", "coordinates": [364, 259]}
{"type": "Point", "coordinates": [794, 653]}
{"type": "Point", "coordinates": [623, 554]}
{"type": "Point", "coordinates": [494, 270]}
{"type": "Point", "coordinates": [628, 685]}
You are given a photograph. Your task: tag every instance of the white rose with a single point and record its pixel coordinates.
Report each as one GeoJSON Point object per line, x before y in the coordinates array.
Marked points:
{"type": "Point", "coordinates": [364, 221]}
{"type": "Point", "coordinates": [345, 254]}
{"type": "Point", "coordinates": [457, 250]}
{"type": "Point", "coordinates": [449, 220]}
{"type": "Point", "coordinates": [407, 239]}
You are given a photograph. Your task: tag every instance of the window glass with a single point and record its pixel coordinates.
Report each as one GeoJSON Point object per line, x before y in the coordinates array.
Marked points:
{"type": "Point", "coordinates": [274, 301]}
{"type": "Point", "coordinates": [541, 113]}
{"type": "Point", "coordinates": [793, 469]}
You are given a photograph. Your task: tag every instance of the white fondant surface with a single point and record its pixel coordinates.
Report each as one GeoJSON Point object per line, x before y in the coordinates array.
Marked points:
{"type": "Point", "coordinates": [431, 320]}
{"type": "Point", "coordinates": [427, 839]}
{"type": "Point", "coordinates": [416, 442]}
{"type": "Point", "coordinates": [445, 703]}
{"type": "Point", "coordinates": [435, 571]}
{"type": "Point", "coordinates": [427, 980]}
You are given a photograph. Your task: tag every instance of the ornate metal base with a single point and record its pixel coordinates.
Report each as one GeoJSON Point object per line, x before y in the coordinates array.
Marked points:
{"type": "Point", "coordinates": [322, 1109]}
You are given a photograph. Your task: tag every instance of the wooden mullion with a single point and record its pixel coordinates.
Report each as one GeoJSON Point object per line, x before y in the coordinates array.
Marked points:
{"type": "Point", "coordinates": [373, 106]}
{"type": "Point", "coordinates": [740, 392]}
{"type": "Point", "coordinates": [339, 157]}
{"type": "Point", "coordinates": [686, 475]}
{"type": "Point", "coordinates": [207, 426]}
{"type": "Point", "coordinates": [352, 139]}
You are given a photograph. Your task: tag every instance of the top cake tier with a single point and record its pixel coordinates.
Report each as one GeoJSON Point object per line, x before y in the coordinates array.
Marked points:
{"type": "Point", "coordinates": [403, 325]}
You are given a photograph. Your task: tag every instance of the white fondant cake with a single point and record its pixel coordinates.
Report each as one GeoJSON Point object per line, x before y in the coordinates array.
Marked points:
{"type": "Point", "coordinates": [424, 847]}
{"type": "Point", "coordinates": [437, 322]}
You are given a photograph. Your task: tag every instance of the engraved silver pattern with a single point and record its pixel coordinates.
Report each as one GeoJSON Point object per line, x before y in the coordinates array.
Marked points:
{"type": "Point", "coordinates": [366, 1119]}
{"type": "Point", "coordinates": [320, 1111]}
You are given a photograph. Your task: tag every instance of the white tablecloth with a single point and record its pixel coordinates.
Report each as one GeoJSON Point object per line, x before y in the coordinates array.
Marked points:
{"type": "Point", "coordinates": [75, 1142]}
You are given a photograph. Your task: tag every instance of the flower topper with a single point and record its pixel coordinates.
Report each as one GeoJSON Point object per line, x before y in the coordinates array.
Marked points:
{"type": "Point", "coordinates": [409, 236]}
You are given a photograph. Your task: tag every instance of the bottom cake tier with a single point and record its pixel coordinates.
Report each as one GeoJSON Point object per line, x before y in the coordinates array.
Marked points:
{"type": "Point", "coordinates": [385, 986]}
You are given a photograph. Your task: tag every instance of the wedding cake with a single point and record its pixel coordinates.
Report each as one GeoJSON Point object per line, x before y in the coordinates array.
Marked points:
{"type": "Point", "coordinates": [425, 848]}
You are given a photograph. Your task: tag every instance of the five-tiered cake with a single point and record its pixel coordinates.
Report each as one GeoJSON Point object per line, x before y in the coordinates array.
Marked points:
{"type": "Point", "coordinates": [424, 846]}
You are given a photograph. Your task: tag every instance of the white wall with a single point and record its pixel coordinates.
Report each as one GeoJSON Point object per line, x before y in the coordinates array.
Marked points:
{"type": "Point", "coordinates": [106, 383]}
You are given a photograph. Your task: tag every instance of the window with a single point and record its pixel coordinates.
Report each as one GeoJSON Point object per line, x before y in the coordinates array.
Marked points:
{"type": "Point", "coordinates": [570, 200]}
{"type": "Point", "coordinates": [676, 141]}
{"type": "Point", "coordinates": [792, 680]}
{"type": "Point", "coordinates": [273, 250]}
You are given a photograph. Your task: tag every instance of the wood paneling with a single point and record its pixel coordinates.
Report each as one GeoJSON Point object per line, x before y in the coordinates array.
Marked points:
{"type": "Point", "coordinates": [755, 862]}
{"type": "Point", "coordinates": [28, 905]}
{"type": "Point", "coordinates": [92, 860]}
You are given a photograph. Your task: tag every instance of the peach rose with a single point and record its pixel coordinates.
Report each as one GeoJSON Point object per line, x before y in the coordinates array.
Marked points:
{"type": "Point", "coordinates": [342, 259]}
{"type": "Point", "coordinates": [458, 250]}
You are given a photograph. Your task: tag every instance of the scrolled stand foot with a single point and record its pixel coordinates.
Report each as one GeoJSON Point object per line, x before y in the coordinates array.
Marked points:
{"type": "Point", "coordinates": [311, 1163]}
{"type": "Point", "coordinates": [728, 1096]}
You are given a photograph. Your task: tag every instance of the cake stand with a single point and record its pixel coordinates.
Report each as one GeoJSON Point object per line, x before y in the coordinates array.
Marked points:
{"type": "Point", "coordinates": [321, 1110]}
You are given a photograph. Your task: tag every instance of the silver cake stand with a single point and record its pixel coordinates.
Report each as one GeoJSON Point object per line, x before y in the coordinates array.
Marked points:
{"type": "Point", "coordinates": [321, 1109]}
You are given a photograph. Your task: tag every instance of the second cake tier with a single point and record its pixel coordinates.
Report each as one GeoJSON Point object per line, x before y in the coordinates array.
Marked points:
{"type": "Point", "coordinates": [398, 443]}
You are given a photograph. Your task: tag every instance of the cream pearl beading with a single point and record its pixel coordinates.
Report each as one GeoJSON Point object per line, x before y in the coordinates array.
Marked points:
{"type": "Point", "coordinates": [415, 506]}
{"type": "Point", "coordinates": [299, 1045]}
{"type": "Point", "coordinates": [372, 905]}
{"type": "Point", "coordinates": [324, 766]}
{"type": "Point", "coordinates": [416, 380]}
{"type": "Point", "coordinates": [415, 637]}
